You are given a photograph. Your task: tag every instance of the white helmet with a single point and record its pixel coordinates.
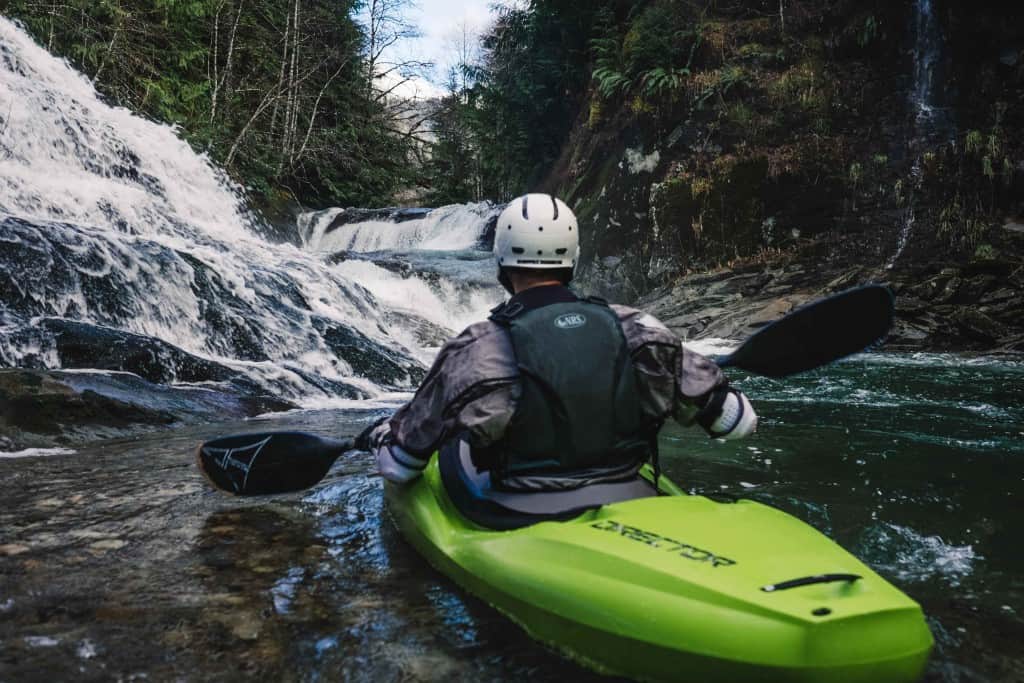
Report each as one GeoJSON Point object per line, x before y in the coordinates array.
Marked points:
{"type": "Point", "coordinates": [536, 231]}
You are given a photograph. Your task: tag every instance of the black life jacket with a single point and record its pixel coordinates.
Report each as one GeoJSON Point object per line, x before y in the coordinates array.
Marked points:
{"type": "Point", "coordinates": [579, 409]}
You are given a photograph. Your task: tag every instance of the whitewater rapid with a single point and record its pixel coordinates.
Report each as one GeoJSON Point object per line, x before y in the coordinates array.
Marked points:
{"type": "Point", "coordinates": [112, 222]}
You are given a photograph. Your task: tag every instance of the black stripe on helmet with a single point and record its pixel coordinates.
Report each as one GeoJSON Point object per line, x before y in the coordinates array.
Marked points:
{"type": "Point", "coordinates": [526, 214]}
{"type": "Point", "coordinates": [554, 203]}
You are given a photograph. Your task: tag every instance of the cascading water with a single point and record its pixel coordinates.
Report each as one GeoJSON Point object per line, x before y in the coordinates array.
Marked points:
{"type": "Point", "coordinates": [932, 122]}
{"type": "Point", "coordinates": [432, 269]}
{"type": "Point", "coordinates": [449, 228]}
{"type": "Point", "coordinates": [121, 247]}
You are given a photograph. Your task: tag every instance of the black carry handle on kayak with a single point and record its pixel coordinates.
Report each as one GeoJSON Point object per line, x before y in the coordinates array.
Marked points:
{"type": "Point", "coordinates": [807, 338]}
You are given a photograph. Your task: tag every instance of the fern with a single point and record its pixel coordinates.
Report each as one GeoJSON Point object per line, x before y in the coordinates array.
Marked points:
{"type": "Point", "coordinates": [607, 49]}
{"type": "Point", "coordinates": [611, 82]}
{"type": "Point", "coordinates": [660, 81]}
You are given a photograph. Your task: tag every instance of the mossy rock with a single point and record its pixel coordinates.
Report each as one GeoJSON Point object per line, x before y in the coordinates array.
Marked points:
{"type": "Point", "coordinates": [711, 216]}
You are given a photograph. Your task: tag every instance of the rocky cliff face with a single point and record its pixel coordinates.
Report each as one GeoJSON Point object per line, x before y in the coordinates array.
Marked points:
{"type": "Point", "coordinates": [881, 138]}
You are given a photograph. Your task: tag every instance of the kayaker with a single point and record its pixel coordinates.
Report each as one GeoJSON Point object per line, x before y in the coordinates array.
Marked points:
{"type": "Point", "coordinates": [554, 392]}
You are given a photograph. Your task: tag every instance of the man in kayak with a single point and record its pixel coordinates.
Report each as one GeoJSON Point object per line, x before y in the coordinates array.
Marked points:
{"type": "Point", "coordinates": [554, 403]}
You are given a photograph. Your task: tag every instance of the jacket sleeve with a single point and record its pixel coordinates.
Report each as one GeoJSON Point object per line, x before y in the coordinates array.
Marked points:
{"type": "Point", "coordinates": [673, 381]}
{"type": "Point", "coordinates": [473, 386]}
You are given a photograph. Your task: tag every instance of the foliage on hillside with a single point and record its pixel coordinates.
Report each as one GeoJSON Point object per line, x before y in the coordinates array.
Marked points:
{"type": "Point", "coordinates": [690, 133]}
{"type": "Point", "coordinates": [505, 120]}
{"type": "Point", "coordinates": [685, 132]}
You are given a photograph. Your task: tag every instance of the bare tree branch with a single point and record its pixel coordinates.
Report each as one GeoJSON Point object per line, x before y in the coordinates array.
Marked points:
{"type": "Point", "coordinates": [227, 66]}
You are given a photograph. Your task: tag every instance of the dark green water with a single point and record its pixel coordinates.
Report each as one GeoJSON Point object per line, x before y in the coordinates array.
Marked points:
{"type": "Point", "coordinates": [118, 562]}
{"type": "Point", "coordinates": [915, 464]}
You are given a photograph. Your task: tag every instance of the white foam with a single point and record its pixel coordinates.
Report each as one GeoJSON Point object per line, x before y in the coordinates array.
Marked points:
{"type": "Point", "coordinates": [86, 649]}
{"type": "Point", "coordinates": [143, 214]}
{"type": "Point", "coordinates": [41, 641]}
{"type": "Point", "coordinates": [59, 133]}
{"type": "Point", "coordinates": [913, 556]}
{"type": "Point", "coordinates": [37, 452]}
{"type": "Point", "coordinates": [712, 346]}
{"type": "Point", "coordinates": [385, 401]}
{"type": "Point", "coordinates": [448, 228]}
{"type": "Point", "coordinates": [442, 302]}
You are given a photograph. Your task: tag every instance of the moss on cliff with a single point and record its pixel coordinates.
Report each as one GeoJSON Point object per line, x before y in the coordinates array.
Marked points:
{"type": "Point", "coordinates": [767, 131]}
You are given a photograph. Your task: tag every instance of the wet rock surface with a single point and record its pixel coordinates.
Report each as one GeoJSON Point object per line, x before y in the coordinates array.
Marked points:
{"type": "Point", "coordinates": [45, 408]}
{"type": "Point", "coordinates": [977, 306]}
{"type": "Point", "coordinates": [78, 297]}
{"type": "Point", "coordinates": [386, 214]}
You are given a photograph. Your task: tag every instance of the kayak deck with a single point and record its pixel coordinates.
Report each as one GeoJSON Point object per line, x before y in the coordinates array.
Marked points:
{"type": "Point", "coordinates": [678, 587]}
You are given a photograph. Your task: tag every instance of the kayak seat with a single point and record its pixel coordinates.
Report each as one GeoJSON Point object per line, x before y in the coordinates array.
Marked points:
{"type": "Point", "coordinates": [471, 492]}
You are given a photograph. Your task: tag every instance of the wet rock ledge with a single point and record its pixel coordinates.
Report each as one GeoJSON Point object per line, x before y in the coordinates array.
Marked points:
{"type": "Point", "coordinates": [47, 408]}
{"type": "Point", "coordinates": [976, 307]}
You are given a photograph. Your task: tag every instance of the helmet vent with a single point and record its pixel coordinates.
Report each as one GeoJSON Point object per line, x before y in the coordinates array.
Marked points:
{"type": "Point", "coordinates": [526, 214]}
{"type": "Point", "coordinates": [540, 228]}
{"type": "Point", "coordinates": [539, 252]}
{"type": "Point", "coordinates": [554, 204]}
{"type": "Point", "coordinates": [509, 226]}
{"type": "Point", "coordinates": [561, 251]}
{"type": "Point", "coordinates": [570, 228]}
{"type": "Point", "coordinates": [518, 250]}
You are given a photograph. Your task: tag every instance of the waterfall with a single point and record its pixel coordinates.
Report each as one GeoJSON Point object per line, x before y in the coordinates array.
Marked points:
{"type": "Point", "coordinates": [432, 265]}
{"type": "Point", "coordinates": [448, 228]}
{"type": "Point", "coordinates": [927, 53]}
{"type": "Point", "coordinates": [122, 247]}
{"type": "Point", "coordinates": [932, 123]}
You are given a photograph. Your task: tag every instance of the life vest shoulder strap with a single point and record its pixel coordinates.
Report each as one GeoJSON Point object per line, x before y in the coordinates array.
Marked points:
{"type": "Point", "coordinates": [503, 313]}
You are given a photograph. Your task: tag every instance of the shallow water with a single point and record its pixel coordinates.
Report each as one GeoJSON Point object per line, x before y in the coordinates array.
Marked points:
{"type": "Point", "coordinates": [118, 562]}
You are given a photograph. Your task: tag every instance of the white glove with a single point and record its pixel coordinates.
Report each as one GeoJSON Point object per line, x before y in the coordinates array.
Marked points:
{"type": "Point", "coordinates": [396, 465]}
{"type": "Point", "coordinates": [737, 418]}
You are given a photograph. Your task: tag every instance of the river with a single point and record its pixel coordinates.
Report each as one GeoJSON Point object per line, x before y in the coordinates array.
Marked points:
{"type": "Point", "coordinates": [121, 562]}
{"type": "Point", "coordinates": [117, 562]}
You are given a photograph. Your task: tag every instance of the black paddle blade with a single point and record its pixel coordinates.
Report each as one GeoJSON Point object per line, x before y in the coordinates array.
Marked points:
{"type": "Point", "coordinates": [818, 333]}
{"type": "Point", "coordinates": [274, 462]}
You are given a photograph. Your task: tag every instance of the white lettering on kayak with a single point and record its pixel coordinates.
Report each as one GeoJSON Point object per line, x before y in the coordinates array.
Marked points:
{"type": "Point", "coordinates": [657, 541]}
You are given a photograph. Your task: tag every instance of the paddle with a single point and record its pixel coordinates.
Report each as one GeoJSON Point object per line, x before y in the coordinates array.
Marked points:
{"type": "Point", "coordinates": [817, 334]}
{"type": "Point", "coordinates": [810, 336]}
{"type": "Point", "coordinates": [268, 462]}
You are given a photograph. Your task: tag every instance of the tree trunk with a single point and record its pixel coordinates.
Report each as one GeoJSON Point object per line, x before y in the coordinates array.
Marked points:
{"type": "Point", "coordinates": [118, 26]}
{"type": "Point", "coordinates": [227, 63]}
{"type": "Point", "coordinates": [280, 77]}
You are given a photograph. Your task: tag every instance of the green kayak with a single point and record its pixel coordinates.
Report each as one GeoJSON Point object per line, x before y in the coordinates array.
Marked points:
{"type": "Point", "coordinates": [678, 588]}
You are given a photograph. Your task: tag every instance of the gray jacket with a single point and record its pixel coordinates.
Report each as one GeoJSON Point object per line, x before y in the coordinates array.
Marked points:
{"type": "Point", "coordinates": [474, 386]}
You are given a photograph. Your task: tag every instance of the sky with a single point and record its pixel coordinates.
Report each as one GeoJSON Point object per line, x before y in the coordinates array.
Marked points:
{"type": "Point", "coordinates": [437, 20]}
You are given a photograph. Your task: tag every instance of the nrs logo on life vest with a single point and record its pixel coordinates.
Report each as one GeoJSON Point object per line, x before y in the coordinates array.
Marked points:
{"type": "Point", "coordinates": [567, 321]}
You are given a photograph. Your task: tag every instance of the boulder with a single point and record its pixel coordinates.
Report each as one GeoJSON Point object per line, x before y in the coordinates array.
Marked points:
{"type": "Point", "coordinates": [40, 408]}
{"type": "Point", "coordinates": [977, 325]}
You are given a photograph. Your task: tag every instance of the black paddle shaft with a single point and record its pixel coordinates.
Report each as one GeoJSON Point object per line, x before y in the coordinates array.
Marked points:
{"type": "Point", "coordinates": [817, 334]}
{"type": "Point", "coordinates": [266, 463]}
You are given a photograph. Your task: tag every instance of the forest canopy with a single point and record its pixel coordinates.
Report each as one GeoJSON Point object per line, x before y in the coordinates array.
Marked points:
{"type": "Point", "coordinates": [295, 98]}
